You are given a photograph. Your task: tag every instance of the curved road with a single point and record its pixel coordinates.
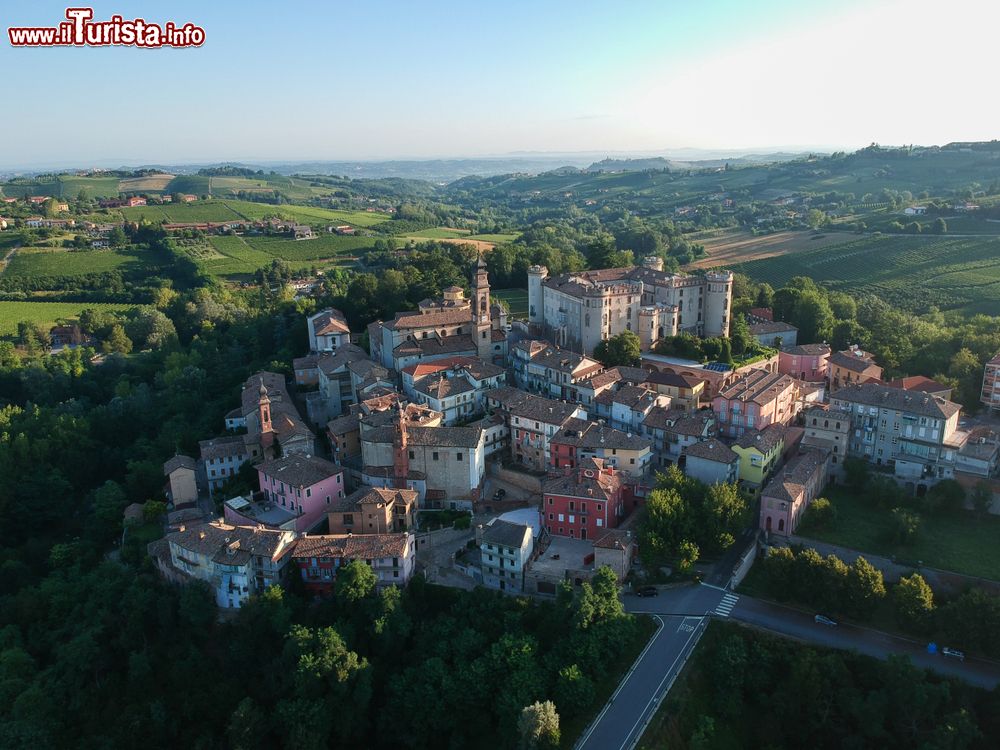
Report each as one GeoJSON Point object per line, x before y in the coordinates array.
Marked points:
{"type": "Point", "coordinates": [683, 612]}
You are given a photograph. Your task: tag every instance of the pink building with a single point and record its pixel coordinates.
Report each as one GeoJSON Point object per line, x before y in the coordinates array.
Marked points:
{"type": "Point", "coordinates": [754, 401]}
{"type": "Point", "coordinates": [785, 498]}
{"type": "Point", "coordinates": [297, 490]}
{"type": "Point", "coordinates": [809, 362]}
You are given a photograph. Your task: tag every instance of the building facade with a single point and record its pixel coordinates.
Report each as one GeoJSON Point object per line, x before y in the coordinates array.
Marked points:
{"type": "Point", "coordinates": [579, 310]}
{"type": "Point", "coordinates": [808, 362]}
{"type": "Point", "coordinates": [505, 550]}
{"type": "Point", "coordinates": [584, 502]}
{"type": "Point", "coordinates": [753, 401]}
{"type": "Point", "coordinates": [319, 558]}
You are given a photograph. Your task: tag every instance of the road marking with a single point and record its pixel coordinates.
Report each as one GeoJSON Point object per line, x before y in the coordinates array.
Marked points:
{"type": "Point", "coordinates": [656, 693]}
{"type": "Point", "coordinates": [726, 605]}
{"type": "Point", "coordinates": [717, 588]}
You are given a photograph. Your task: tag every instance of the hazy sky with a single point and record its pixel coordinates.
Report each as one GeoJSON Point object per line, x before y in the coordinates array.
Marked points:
{"type": "Point", "coordinates": [352, 80]}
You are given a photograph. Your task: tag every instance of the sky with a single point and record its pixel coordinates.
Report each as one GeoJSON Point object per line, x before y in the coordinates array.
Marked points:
{"type": "Point", "coordinates": [311, 80]}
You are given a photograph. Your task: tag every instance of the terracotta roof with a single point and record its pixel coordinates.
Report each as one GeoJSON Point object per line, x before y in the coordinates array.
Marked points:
{"type": "Point", "coordinates": [588, 480]}
{"type": "Point", "coordinates": [330, 321]}
{"type": "Point", "coordinates": [223, 447]}
{"type": "Point", "coordinates": [437, 345]}
{"type": "Point", "coordinates": [410, 320]}
{"type": "Point", "coordinates": [211, 538]}
{"type": "Point", "coordinates": [673, 379]}
{"type": "Point", "coordinates": [366, 495]}
{"type": "Point", "coordinates": [759, 386]}
{"type": "Point", "coordinates": [712, 450]}
{"type": "Point", "coordinates": [307, 362]}
{"type": "Point", "coordinates": [352, 546]}
{"type": "Point", "coordinates": [615, 539]}
{"type": "Point", "coordinates": [678, 421]}
{"type": "Point", "coordinates": [855, 361]}
{"type": "Point", "coordinates": [541, 409]}
{"type": "Point", "coordinates": [591, 435]}
{"type": "Point", "coordinates": [770, 326]}
{"type": "Point", "coordinates": [505, 533]}
{"type": "Point", "coordinates": [343, 425]}
{"type": "Point", "coordinates": [438, 387]}
{"type": "Point", "coordinates": [763, 440]}
{"type": "Point", "coordinates": [790, 480]}
{"type": "Point", "coordinates": [298, 470]}
{"type": "Point", "coordinates": [179, 462]}
{"type": "Point", "coordinates": [807, 350]}
{"type": "Point", "coordinates": [329, 363]}
{"type": "Point", "coordinates": [887, 397]}
{"type": "Point", "coordinates": [920, 383]}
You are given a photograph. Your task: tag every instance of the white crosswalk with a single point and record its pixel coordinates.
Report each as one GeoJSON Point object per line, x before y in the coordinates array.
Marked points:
{"type": "Point", "coordinates": [726, 605]}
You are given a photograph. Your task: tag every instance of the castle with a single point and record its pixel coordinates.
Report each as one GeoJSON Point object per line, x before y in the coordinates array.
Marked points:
{"type": "Point", "coordinates": [579, 310]}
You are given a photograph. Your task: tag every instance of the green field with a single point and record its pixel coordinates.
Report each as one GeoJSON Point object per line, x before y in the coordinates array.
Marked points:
{"type": "Point", "coordinates": [957, 541]}
{"type": "Point", "coordinates": [232, 210]}
{"type": "Point", "coordinates": [39, 262]}
{"type": "Point", "coordinates": [441, 233]}
{"type": "Point", "coordinates": [46, 313]}
{"type": "Point", "coordinates": [914, 272]}
{"type": "Point", "coordinates": [241, 256]}
{"type": "Point", "coordinates": [516, 299]}
{"type": "Point", "coordinates": [498, 239]}
{"type": "Point", "coordinates": [64, 186]}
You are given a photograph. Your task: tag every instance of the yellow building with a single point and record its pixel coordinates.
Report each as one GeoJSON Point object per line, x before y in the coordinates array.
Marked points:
{"type": "Point", "coordinates": [685, 391]}
{"type": "Point", "coordinates": [759, 453]}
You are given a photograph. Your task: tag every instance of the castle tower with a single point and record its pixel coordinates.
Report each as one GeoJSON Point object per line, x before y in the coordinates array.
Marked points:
{"type": "Point", "coordinates": [400, 453]}
{"type": "Point", "coordinates": [536, 303]}
{"type": "Point", "coordinates": [481, 319]}
{"type": "Point", "coordinates": [653, 262]}
{"type": "Point", "coordinates": [718, 303]}
{"type": "Point", "coordinates": [649, 320]}
{"type": "Point", "coordinates": [264, 418]}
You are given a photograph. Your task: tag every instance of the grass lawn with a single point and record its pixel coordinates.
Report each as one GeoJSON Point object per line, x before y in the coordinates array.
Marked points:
{"type": "Point", "coordinates": [441, 233]}
{"type": "Point", "coordinates": [960, 542]}
{"type": "Point", "coordinates": [47, 313]}
{"type": "Point", "coordinates": [37, 261]}
{"type": "Point", "coordinates": [572, 728]}
{"type": "Point", "coordinates": [516, 299]}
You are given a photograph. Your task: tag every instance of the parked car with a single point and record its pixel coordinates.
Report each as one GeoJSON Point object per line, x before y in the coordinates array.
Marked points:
{"type": "Point", "coordinates": [953, 653]}
{"type": "Point", "coordinates": [647, 591]}
{"type": "Point", "coordinates": [824, 620]}
{"type": "Point", "coordinates": [499, 494]}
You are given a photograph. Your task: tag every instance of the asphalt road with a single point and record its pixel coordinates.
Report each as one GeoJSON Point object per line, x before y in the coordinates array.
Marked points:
{"type": "Point", "coordinates": [624, 718]}
{"type": "Point", "coordinates": [793, 623]}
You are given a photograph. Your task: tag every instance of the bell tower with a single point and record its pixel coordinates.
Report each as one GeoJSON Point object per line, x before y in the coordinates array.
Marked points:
{"type": "Point", "coordinates": [264, 418]}
{"type": "Point", "coordinates": [400, 453]}
{"type": "Point", "coordinates": [481, 318]}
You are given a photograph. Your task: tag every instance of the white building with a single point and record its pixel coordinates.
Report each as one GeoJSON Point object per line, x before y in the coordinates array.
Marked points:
{"type": "Point", "coordinates": [506, 551]}
{"type": "Point", "coordinates": [579, 310]}
{"type": "Point", "coordinates": [328, 330]}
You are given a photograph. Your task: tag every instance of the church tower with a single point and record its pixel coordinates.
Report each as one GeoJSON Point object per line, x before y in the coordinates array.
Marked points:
{"type": "Point", "coordinates": [400, 453]}
{"type": "Point", "coordinates": [481, 319]}
{"type": "Point", "coordinates": [264, 418]}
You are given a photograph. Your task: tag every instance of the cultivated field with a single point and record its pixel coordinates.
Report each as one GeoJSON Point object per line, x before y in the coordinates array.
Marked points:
{"type": "Point", "coordinates": [739, 246]}
{"type": "Point", "coordinates": [46, 313]}
{"type": "Point", "coordinates": [914, 272]}
{"type": "Point", "coordinates": [150, 183]}
{"type": "Point", "coordinates": [498, 239]}
{"type": "Point", "coordinates": [44, 261]}
{"type": "Point", "coordinates": [232, 210]}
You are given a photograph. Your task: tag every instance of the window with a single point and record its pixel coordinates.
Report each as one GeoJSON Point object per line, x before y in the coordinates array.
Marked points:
{"type": "Point", "coordinates": [434, 455]}
{"type": "Point", "coordinates": [309, 492]}
{"type": "Point", "coordinates": [348, 519]}
{"type": "Point", "coordinates": [458, 456]}
{"type": "Point", "coordinates": [561, 519]}
{"type": "Point", "coordinates": [411, 455]}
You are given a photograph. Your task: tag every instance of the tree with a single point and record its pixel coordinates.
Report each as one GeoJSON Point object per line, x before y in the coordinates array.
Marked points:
{"type": "Point", "coordinates": [815, 218]}
{"type": "Point", "coordinates": [813, 317]}
{"type": "Point", "coordinates": [152, 329]}
{"type": "Point", "coordinates": [355, 581]}
{"type": "Point", "coordinates": [687, 555]}
{"type": "Point", "coordinates": [821, 513]}
{"type": "Point", "coordinates": [117, 340]}
{"type": "Point", "coordinates": [940, 226]}
{"type": "Point", "coordinates": [623, 349]}
{"type": "Point", "coordinates": [117, 237]}
{"type": "Point", "coordinates": [946, 496]}
{"type": "Point", "coordinates": [739, 335]}
{"type": "Point", "coordinates": [913, 602]}
{"type": "Point", "coordinates": [856, 471]}
{"type": "Point", "coordinates": [725, 511]}
{"type": "Point", "coordinates": [905, 525]}
{"type": "Point", "coordinates": [864, 588]}
{"type": "Point", "coordinates": [982, 498]}
{"type": "Point", "coordinates": [574, 691]}
{"type": "Point", "coordinates": [538, 727]}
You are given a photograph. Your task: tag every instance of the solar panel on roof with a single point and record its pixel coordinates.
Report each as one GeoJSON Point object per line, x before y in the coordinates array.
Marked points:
{"type": "Point", "coordinates": [718, 367]}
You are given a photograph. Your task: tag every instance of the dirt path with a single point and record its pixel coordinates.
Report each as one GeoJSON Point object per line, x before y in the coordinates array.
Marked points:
{"type": "Point", "coordinates": [6, 259]}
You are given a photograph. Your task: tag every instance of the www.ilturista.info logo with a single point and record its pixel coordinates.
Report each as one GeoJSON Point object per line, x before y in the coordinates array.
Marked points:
{"type": "Point", "coordinates": [80, 31]}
